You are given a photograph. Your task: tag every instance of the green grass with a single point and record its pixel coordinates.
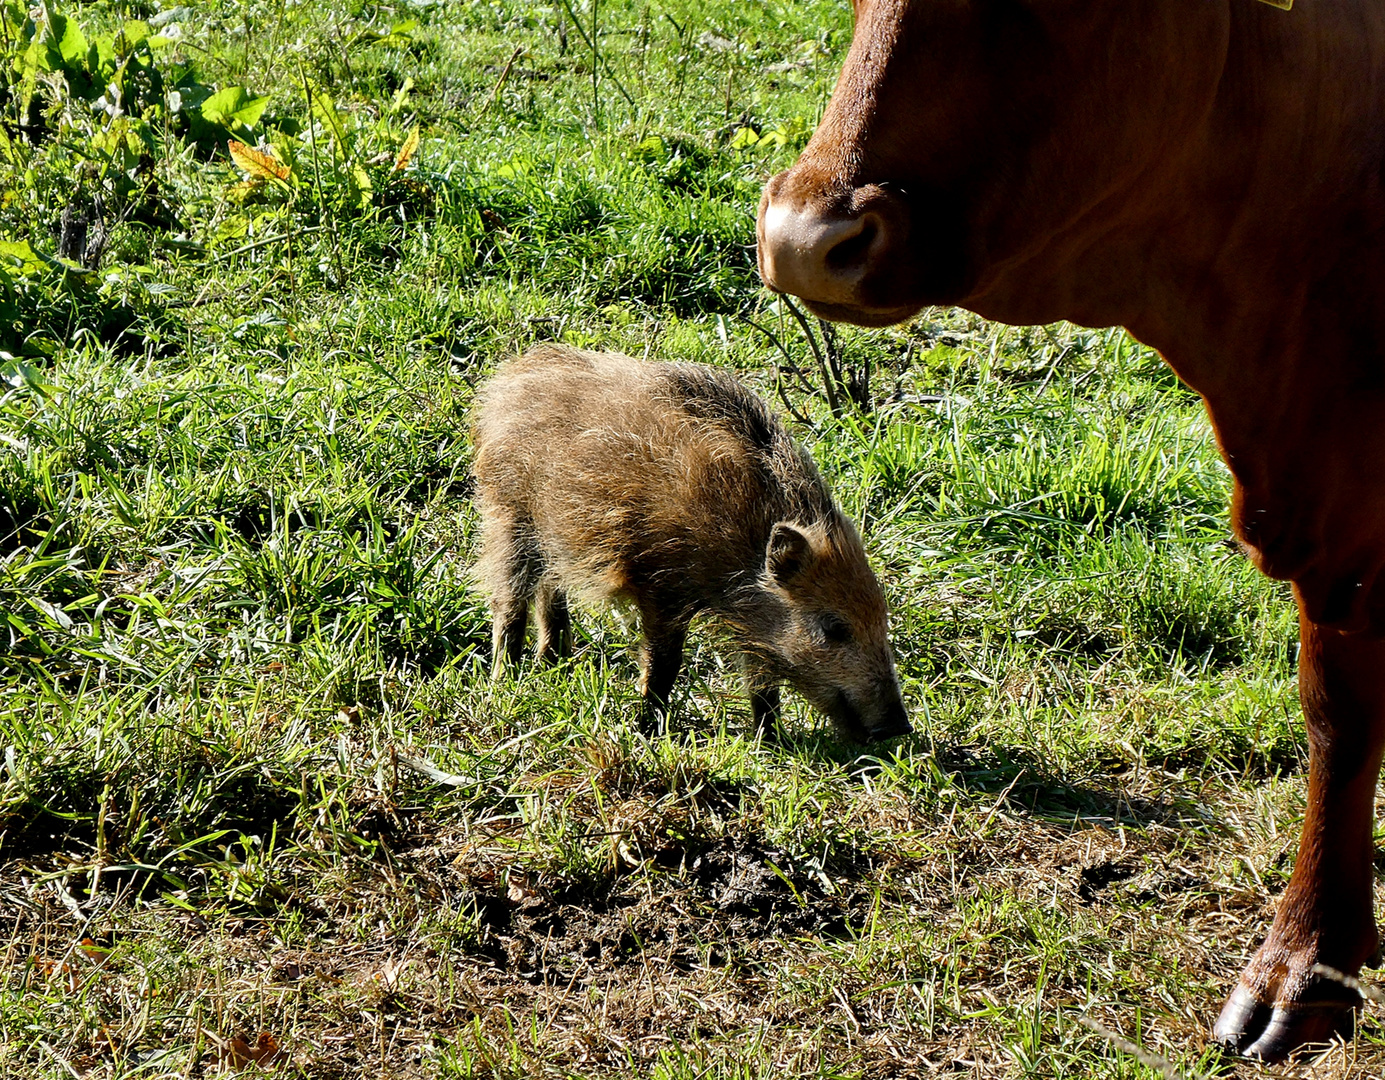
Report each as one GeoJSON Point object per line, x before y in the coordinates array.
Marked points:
{"type": "Point", "coordinates": [234, 539]}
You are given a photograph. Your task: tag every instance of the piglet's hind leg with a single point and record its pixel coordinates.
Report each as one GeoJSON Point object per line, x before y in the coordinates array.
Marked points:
{"type": "Point", "coordinates": [509, 568]}
{"type": "Point", "coordinates": [554, 623]}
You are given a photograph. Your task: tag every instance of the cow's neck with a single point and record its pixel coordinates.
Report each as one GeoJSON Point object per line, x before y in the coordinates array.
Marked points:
{"type": "Point", "coordinates": [1256, 265]}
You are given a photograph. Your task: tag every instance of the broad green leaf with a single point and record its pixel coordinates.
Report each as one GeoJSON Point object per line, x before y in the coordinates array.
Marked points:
{"type": "Point", "coordinates": [133, 34]}
{"type": "Point", "coordinates": [252, 112]}
{"type": "Point", "coordinates": [234, 227]}
{"type": "Point", "coordinates": [21, 255]}
{"type": "Point", "coordinates": [234, 105]}
{"type": "Point", "coordinates": [243, 189]}
{"type": "Point", "coordinates": [16, 372]}
{"type": "Point", "coordinates": [72, 43]}
{"type": "Point", "coordinates": [515, 167]}
{"type": "Point", "coordinates": [40, 56]}
{"type": "Point", "coordinates": [744, 137]}
{"type": "Point", "coordinates": [400, 35]}
{"type": "Point", "coordinates": [101, 57]}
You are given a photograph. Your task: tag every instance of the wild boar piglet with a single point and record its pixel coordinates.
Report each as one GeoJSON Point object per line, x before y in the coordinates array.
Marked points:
{"type": "Point", "coordinates": [671, 488]}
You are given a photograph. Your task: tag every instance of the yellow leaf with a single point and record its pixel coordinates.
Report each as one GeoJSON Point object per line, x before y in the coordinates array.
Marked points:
{"type": "Point", "coordinates": [361, 182]}
{"type": "Point", "coordinates": [407, 150]}
{"type": "Point", "coordinates": [258, 164]}
{"type": "Point", "coordinates": [326, 110]}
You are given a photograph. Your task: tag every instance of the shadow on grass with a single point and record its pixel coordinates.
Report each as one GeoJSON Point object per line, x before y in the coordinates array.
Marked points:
{"type": "Point", "coordinates": [1025, 783]}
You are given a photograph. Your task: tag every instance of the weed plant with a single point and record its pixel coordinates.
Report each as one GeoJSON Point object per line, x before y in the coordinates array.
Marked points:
{"type": "Point", "coordinates": [261, 806]}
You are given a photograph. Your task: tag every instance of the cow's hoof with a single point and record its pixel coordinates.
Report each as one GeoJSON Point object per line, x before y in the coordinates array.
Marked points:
{"type": "Point", "coordinates": [1274, 1032]}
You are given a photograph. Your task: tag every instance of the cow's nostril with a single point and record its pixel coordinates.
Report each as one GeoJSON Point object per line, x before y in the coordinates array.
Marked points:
{"type": "Point", "coordinates": [839, 254]}
{"type": "Point", "coordinates": [851, 252]}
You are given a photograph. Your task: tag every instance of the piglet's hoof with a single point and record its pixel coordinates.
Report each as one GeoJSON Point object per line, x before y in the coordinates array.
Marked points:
{"type": "Point", "coordinates": [1273, 1032]}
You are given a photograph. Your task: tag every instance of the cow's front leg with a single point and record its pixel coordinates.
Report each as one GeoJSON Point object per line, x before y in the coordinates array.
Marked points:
{"type": "Point", "coordinates": [1325, 915]}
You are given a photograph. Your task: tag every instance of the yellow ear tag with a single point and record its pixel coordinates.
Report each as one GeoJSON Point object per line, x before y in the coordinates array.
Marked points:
{"type": "Point", "coordinates": [1285, 4]}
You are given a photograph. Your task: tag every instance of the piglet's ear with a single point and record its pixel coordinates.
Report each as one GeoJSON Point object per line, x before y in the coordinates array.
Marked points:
{"type": "Point", "coordinates": [788, 553]}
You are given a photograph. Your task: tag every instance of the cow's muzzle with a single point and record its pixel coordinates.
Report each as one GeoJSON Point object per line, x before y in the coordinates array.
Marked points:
{"type": "Point", "coordinates": [846, 256]}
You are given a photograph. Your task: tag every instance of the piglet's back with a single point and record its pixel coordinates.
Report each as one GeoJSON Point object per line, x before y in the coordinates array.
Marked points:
{"type": "Point", "coordinates": [638, 475]}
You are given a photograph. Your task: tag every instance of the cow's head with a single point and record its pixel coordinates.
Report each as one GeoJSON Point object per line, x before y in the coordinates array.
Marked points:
{"type": "Point", "coordinates": [966, 136]}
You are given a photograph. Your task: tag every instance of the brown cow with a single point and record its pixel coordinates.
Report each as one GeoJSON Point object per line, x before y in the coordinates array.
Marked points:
{"type": "Point", "coordinates": [1211, 176]}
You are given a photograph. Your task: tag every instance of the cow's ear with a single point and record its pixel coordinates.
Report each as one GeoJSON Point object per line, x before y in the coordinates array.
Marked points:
{"type": "Point", "coordinates": [788, 553]}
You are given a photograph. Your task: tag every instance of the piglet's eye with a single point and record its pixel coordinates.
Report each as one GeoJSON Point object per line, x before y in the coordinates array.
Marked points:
{"type": "Point", "coordinates": [835, 629]}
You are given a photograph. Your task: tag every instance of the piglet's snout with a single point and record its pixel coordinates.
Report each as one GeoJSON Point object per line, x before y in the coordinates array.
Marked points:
{"type": "Point", "coordinates": [893, 721]}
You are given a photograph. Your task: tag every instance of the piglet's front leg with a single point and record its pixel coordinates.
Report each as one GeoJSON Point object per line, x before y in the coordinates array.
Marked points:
{"type": "Point", "coordinates": [764, 697]}
{"type": "Point", "coordinates": [661, 657]}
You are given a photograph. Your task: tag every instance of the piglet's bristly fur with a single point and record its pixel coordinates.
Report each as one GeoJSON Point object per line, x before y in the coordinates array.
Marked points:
{"type": "Point", "coordinates": [671, 488]}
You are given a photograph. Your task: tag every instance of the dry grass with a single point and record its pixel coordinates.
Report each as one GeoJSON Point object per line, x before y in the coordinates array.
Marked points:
{"type": "Point", "coordinates": [970, 932]}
